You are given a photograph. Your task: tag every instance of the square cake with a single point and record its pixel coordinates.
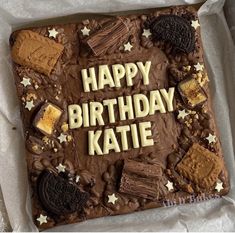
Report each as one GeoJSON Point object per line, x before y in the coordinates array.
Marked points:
{"type": "Point", "coordinates": [117, 115]}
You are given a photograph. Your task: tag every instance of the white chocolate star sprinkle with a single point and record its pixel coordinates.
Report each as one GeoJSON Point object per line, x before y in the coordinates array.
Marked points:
{"type": "Point", "coordinates": [195, 24]}
{"type": "Point", "coordinates": [112, 198]}
{"type": "Point", "coordinates": [61, 168]}
{"type": "Point", "coordinates": [77, 179]}
{"type": "Point", "coordinates": [146, 33]}
{"type": "Point", "coordinates": [182, 114]}
{"type": "Point", "coordinates": [219, 186]}
{"type": "Point", "coordinates": [127, 46]}
{"type": "Point", "coordinates": [42, 219]}
{"type": "Point", "coordinates": [211, 138]}
{"type": "Point", "coordinates": [85, 31]}
{"type": "Point", "coordinates": [53, 33]}
{"type": "Point", "coordinates": [26, 82]}
{"type": "Point", "coordinates": [169, 186]}
{"type": "Point", "coordinates": [29, 105]}
{"type": "Point", "coordinates": [62, 138]}
{"type": "Point", "coordinates": [199, 67]}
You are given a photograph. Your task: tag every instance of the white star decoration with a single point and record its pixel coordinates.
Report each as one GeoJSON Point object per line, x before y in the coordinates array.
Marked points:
{"type": "Point", "coordinates": [128, 46]}
{"type": "Point", "coordinates": [29, 105]}
{"type": "Point", "coordinates": [182, 114]}
{"type": "Point", "coordinates": [42, 219]}
{"type": "Point", "coordinates": [77, 179]}
{"type": "Point", "coordinates": [195, 24]}
{"type": "Point", "coordinates": [169, 186]}
{"type": "Point", "coordinates": [211, 138]}
{"type": "Point", "coordinates": [199, 67]}
{"type": "Point", "coordinates": [61, 168]}
{"type": "Point", "coordinates": [26, 82]}
{"type": "Point", "coordinates": [112, 198]}
{"type": "Point", "coordinates": [146, 33]}
{"type": "Point", "coordinates": [53, 33]}
{"type": "Point", "coordinates": [219, 186]}
{"type": "Point", "coordinates": [62, 138]}
{"type": "Point", "coordinates": [85, 31]}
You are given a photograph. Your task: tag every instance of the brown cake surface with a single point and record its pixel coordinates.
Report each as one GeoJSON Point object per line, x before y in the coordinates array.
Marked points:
{"type": "Point", "coordinates": [117, 116]}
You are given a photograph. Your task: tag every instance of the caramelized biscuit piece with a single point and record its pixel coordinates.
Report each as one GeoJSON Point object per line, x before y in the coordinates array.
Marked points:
{"type": "Point", "coordinates": [46, 118]}
{"type": "Point", "coordinates": [36, 51]}
{"type": "Point", "coordinates": [200, 166]}
{"type": "Point", "coordinates": [191, 92]}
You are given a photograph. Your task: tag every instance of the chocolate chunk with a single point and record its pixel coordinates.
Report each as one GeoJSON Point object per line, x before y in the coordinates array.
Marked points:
{"type": "Point", "coordinates": [58, 195]}
{"type": "Point", "coordinates": [35, 51]}
{"type": "Point", "coordinates": [200, 166]}
{"type": "Point", "coordinates": [34, 145]}
{"type": "Point", "coordinates": [141, 180]}
{"type": "Point", "coordinates": [191, 92]}
{"type": "Point", "coordinates": [46, 118]}
{"type": "Point", "coordinates": [110, 35]}
{"type": "Point", "coordinates": [175, 30]}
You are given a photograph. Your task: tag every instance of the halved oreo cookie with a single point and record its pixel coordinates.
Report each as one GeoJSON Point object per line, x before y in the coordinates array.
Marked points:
{"type": "Point", "coordinates": [58, 195]}
{"type": "Point", "coordinates": [175, 30]}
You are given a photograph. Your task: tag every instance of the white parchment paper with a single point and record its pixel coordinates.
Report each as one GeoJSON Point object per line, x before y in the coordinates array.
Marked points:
{"type": "Point", "coordinates": [214, 215]}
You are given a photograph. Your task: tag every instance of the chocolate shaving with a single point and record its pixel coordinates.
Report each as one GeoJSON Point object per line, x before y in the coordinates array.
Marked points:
{"type": "Point", "coordinates": [111, 34]}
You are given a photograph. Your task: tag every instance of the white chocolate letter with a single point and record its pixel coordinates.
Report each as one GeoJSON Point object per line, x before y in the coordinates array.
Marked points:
{"type": "Point", "coordinates": [138, 98]}
{"type": "Point", "coordinates": [104, 72]}
{"type": "Point", "coordinates": [75, 116]}
{"type": "Point", "coordinates": [144, 69]}
{"type": "Point", "coordinates": [123, 131]}
{"type": "Point", "coordinates": [110, 141]}
{"type": "Point", "coordinates": [144, 133]}
{"type": "Point", "coordinates": [93, 144]}
{"type": "Point", "coordinates": [91, 80]}
{"type": "Point", "coordinates": [134, 135]}
{"type": "Point", "coordinates": [131, 72]}
{"type": "Point", "coordinates": [85, 113]}
{"type": "Point", "coordinates": [118, 73]}
{"type": "Point", "coordinates": [168, 97]}
{"type": "Point", "coordinates": [125, 108]}
{"type": "Point", "coordinates": [110, 104]}
{"type": "Point", "coordinates": [155, 103]}
{"type": "Point", "coordinates": [96, 110]}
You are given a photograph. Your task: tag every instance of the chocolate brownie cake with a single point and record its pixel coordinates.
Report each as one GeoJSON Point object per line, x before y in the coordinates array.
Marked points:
{"type": "Point", "coordinates": [117, 115]}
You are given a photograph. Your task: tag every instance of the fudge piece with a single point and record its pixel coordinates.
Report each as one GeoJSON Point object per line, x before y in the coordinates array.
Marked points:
{"type": "Point", "coordinates": [117, 116]}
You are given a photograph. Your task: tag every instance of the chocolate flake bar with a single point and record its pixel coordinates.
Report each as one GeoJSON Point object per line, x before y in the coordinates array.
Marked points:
{"type": "Point", "coordinates": [142, 180]}
{"type": "Point", "coordinates": [103, 39]}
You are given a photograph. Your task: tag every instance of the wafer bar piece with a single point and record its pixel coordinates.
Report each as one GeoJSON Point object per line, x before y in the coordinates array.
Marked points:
{"type": "Point", "coordinates": [108, 36]}
{"type": "Point", "coordinates": [36, 51]}
{"type": "Point", "coordinates": [46, 118]}
{"type": "Point", "coordinates": [200, 166]}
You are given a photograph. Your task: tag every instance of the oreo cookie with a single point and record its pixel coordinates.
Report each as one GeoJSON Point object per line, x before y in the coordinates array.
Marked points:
{"type": "Point", "coordinates": [175, 30]}
{"type": "Point", "coordinates": [58, 195]}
